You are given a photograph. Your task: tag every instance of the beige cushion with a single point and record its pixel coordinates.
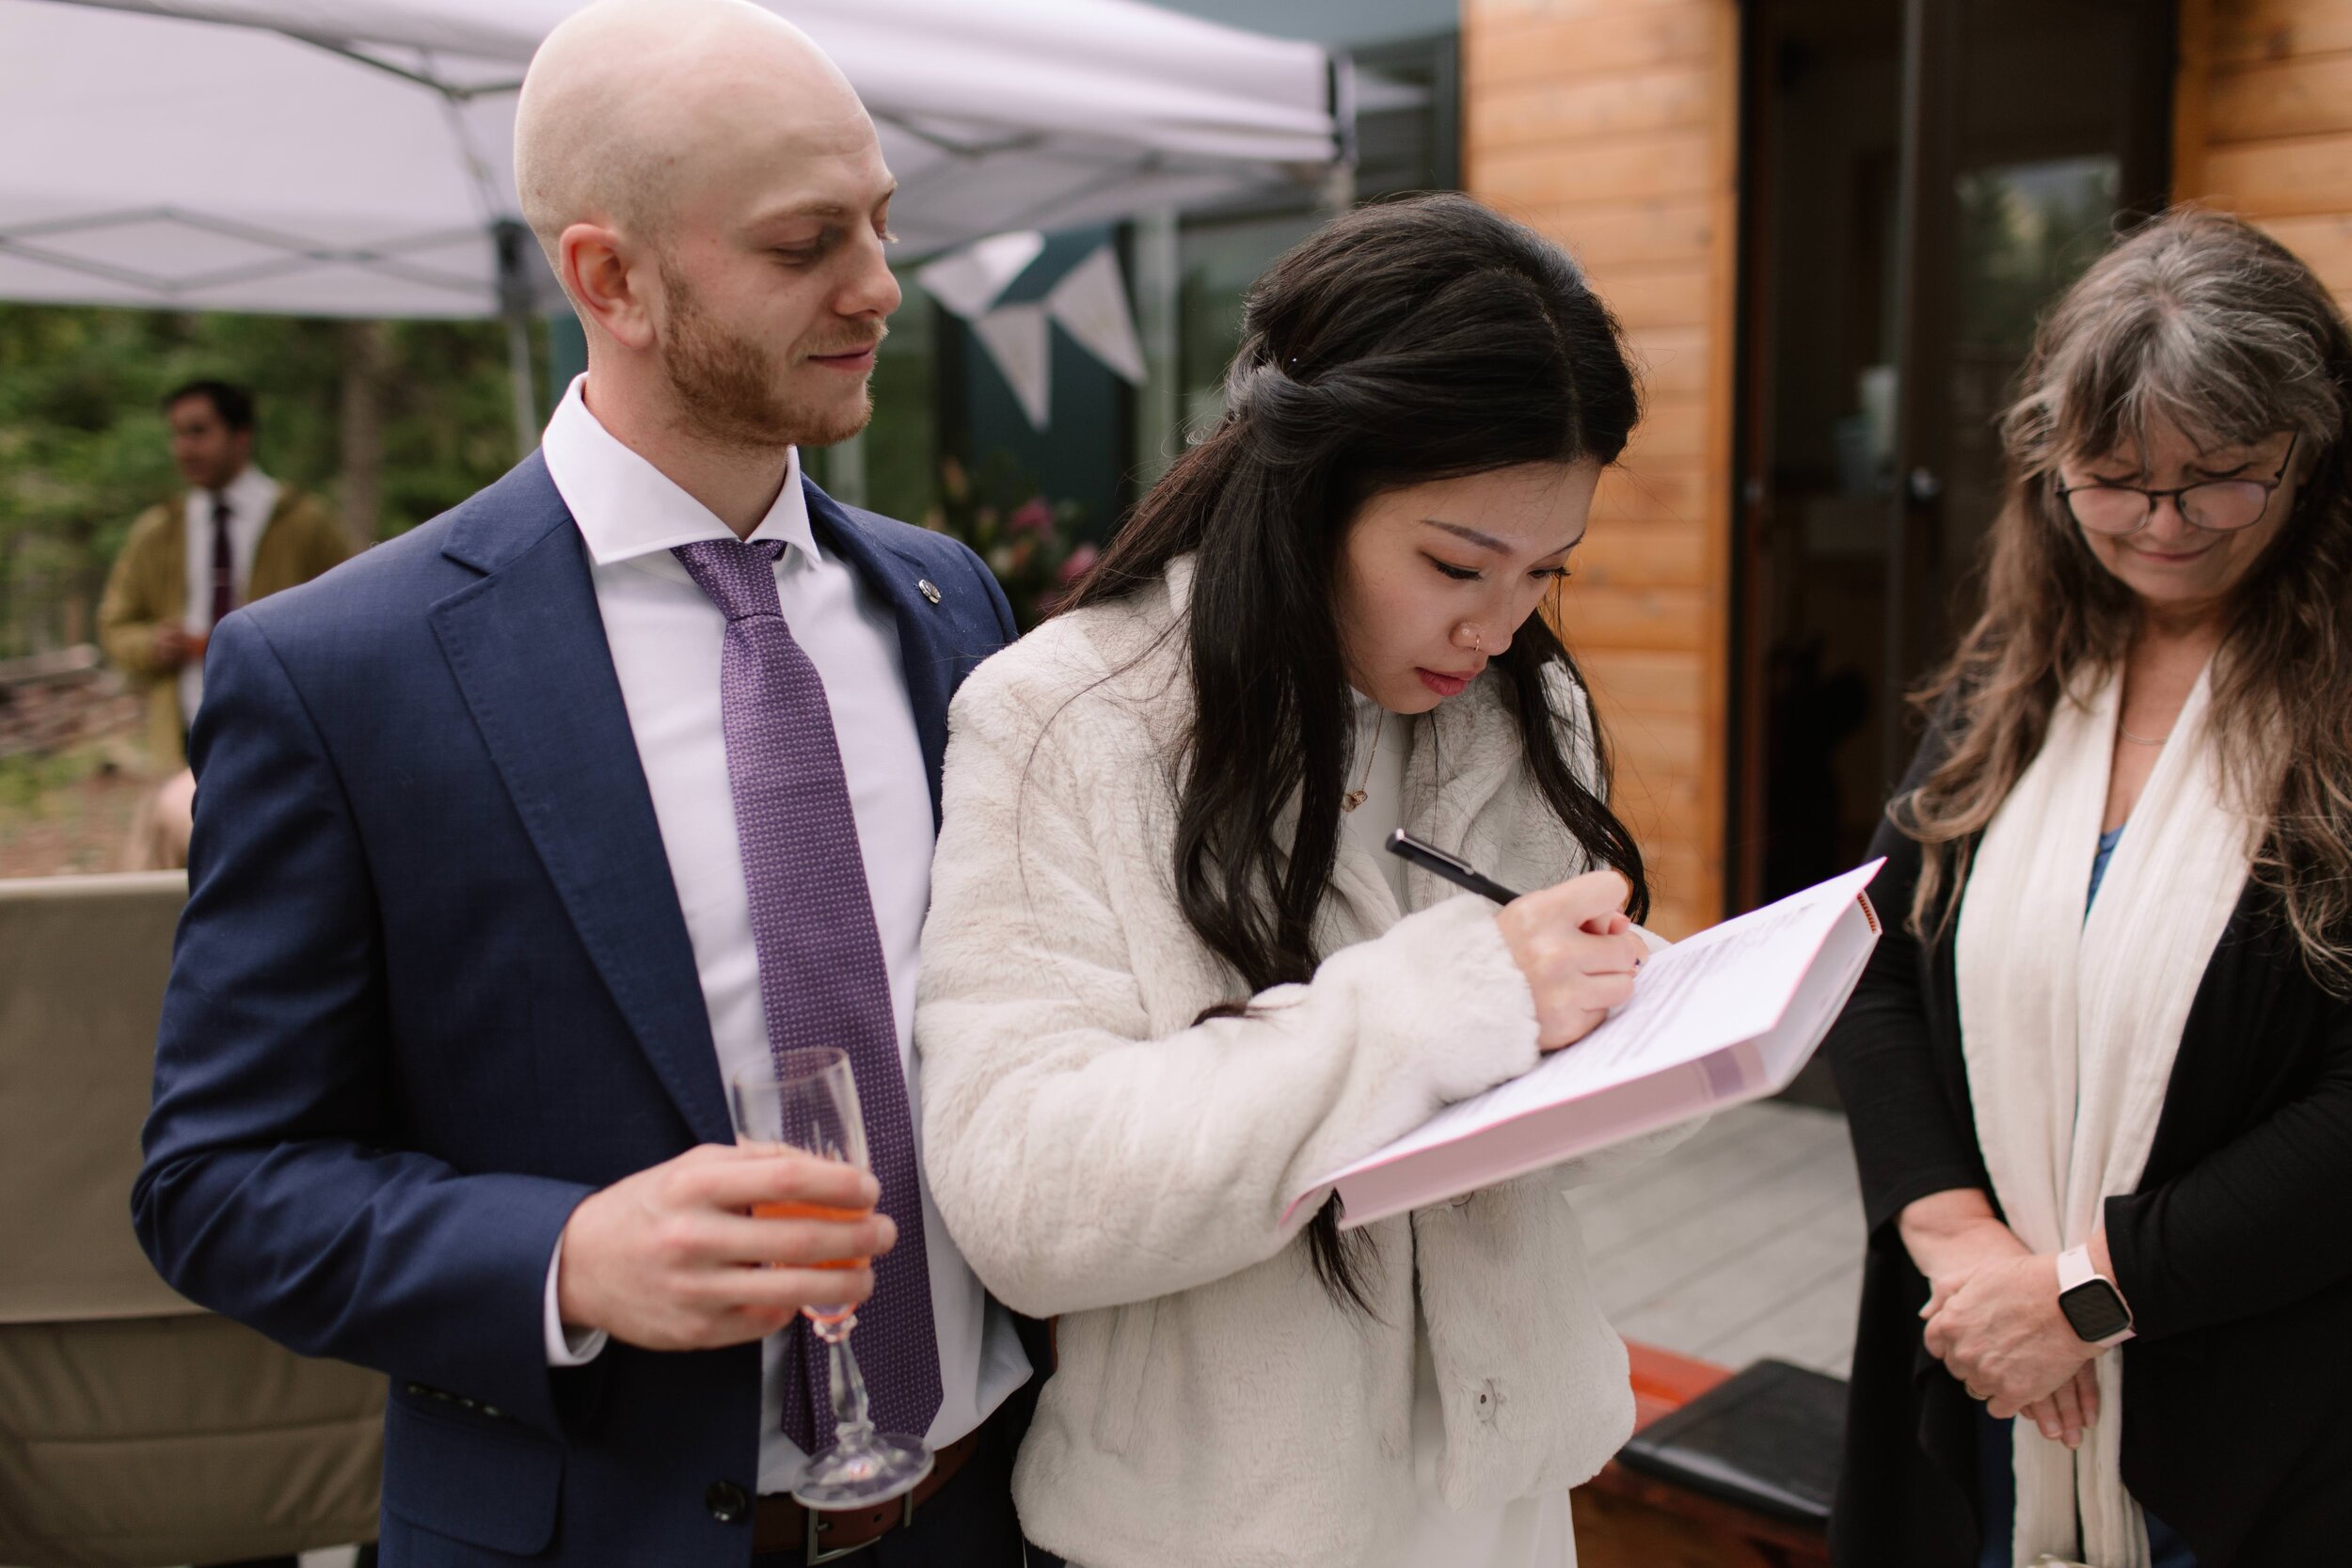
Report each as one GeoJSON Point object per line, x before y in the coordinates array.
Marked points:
{"type": "Point", "coordinates": [135, 1427]}
{"type": "Point", "coordinates": [185, 1439]}
{"type": "Point", "coordinates": [83, 961]}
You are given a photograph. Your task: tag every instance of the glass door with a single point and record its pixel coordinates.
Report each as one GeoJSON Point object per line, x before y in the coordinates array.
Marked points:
{"type": "Point", "coordinates": [2035, 130]}
{"type": "Point", "coordinates": [1922, 179]}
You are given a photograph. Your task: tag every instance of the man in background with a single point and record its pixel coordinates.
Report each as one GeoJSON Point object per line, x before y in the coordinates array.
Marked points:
{"type": "Point", "coordinates": [236, 535]}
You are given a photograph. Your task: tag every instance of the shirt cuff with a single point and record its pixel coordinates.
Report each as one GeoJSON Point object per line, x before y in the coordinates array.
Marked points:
{"type": "Point", "coordinates": [567, 1347]}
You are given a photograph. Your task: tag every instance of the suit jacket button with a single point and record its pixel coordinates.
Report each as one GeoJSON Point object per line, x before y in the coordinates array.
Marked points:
{"type": "Point", "coordinates": [728, 1503]}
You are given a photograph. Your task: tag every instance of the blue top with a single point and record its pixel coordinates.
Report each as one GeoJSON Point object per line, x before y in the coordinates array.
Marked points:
{"type": "Point", "coordinates": [2099, 866]}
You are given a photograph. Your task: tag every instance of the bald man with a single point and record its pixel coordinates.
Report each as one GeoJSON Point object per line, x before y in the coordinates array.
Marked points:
{"type": "Point", "coordinates": [523, 838]}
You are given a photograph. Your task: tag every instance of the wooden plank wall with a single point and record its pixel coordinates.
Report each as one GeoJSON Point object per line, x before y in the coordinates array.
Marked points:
{"type": "Point", "coordinates": [2264, 121]}
{"type": "Point", "coordinates": [1611, 126]}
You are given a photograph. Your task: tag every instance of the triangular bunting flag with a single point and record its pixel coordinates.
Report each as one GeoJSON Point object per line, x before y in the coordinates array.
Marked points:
{"type": "Point", "coordinates": [1091, 302]}
{"type": "Point", "coordinates": [967, 281]}
{"type": "Point", "coordinates": [1016, 339]}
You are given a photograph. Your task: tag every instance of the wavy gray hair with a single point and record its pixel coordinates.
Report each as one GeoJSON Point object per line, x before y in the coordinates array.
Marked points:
{"type": "Point", "coordinates": [2204, 322]}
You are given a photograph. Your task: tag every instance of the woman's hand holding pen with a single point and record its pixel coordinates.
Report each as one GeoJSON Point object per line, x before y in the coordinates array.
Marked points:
{"type": "Point", "coordinates": [1578, 950]}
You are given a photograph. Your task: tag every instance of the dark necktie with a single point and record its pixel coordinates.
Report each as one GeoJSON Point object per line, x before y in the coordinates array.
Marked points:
{"type": "Point", "coordinates": [224, 563]}
{"type": "Point", "coordinates": [822, 980]}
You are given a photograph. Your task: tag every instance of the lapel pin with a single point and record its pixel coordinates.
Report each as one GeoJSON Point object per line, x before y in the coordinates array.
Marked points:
{"type": "Point", "coordinates": [931, 589]}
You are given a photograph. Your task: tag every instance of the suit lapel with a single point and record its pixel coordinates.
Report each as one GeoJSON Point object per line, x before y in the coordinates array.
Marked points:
{"type": "Point", "coordinates": [928, 641]}
{"type": "Point", "coordinates": [527, 646]}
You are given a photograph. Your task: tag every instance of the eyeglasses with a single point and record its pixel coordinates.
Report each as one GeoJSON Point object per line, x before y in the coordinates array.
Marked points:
{"type": "Point", "coordinates": [2218, 505]}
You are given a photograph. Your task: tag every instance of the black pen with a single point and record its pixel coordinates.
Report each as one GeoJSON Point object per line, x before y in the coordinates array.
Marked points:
{"type": "Point", "coordinates": [1460, 873]}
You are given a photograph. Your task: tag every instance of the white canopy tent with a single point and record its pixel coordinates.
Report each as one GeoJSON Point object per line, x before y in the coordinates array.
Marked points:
{"type": "Point", "coordinates": [353, 157]}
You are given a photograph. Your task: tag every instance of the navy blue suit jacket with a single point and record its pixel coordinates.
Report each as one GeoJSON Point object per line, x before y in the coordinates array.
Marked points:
{"type": "Point", "coordinates": [432, 987]}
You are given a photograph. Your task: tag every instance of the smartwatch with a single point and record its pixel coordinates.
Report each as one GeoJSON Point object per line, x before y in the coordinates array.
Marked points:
{"type": "Point", "coordinates": [2093, 1306]}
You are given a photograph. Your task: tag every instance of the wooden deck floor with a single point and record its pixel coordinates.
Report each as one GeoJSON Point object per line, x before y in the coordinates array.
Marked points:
{"type": "Point", "coordinates": [1745, 1242]}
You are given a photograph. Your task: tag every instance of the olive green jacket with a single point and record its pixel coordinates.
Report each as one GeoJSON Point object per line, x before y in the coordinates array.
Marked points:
{"type": "Point", "coordinates": [148, 589]}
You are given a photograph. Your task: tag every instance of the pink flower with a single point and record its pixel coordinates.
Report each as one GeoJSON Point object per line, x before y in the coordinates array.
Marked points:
{"type": "Point", "coordinates": [1080, 563]}
{"type": "Point", "coordinates": [1033, 515]}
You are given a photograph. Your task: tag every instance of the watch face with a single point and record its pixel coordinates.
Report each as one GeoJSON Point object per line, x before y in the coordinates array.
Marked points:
{"type": "Point", "coordinates": [2095, 1310]}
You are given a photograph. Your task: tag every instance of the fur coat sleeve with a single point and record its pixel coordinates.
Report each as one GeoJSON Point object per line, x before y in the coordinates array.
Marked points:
{"type": "Point", "coordinates": [1088, 1142]}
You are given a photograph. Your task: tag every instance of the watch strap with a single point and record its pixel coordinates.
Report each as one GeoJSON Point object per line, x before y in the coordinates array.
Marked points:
{"type": "Point", "coordinates": [2075, 1268]}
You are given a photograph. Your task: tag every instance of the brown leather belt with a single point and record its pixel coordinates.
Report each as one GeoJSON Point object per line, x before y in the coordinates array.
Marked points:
{"type": "Point", "coordinates": [780, 1524]}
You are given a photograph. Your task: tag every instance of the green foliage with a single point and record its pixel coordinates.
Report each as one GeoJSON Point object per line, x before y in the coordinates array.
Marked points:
{"type": "Point", "coordinates": [82, 444]}
{"type": "Point", "coordinates": [902, 442]}
{"type": "Point", "coordinates": [30, 780]}
{"type": "Point", "coordinates": [449, 421]}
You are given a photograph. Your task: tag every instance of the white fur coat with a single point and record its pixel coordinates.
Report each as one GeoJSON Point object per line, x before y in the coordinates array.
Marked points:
{"type": "Point", "coordinates": [1100, 1157]}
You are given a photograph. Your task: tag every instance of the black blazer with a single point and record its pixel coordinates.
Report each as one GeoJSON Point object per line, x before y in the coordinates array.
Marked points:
{"type": "Point", "coordinates": [2235, 1254]}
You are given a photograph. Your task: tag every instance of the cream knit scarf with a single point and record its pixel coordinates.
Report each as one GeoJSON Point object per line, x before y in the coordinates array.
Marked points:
{"type": "Point", "coordinates": [2068, 1027]}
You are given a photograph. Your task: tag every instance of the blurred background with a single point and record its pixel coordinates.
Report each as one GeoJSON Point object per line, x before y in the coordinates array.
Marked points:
{"type": "Point", "coordinates": [1828, 226]}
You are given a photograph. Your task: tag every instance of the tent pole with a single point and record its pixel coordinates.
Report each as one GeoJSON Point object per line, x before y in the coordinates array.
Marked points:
{"type": "Point", "coordinates": [520, 378]}
{"type": "Point", "coordinates": [515, 307]}
{"type": "Point", "coordinates": [1338, 185]}
{"type": "Point", "coordinates": [845, 470]}
{"type": "Point", "coordinates": [1159, 433]}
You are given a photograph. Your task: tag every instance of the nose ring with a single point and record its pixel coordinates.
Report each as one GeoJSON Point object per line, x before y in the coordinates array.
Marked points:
{"type": "Point", "coordinates": [1478, 641]}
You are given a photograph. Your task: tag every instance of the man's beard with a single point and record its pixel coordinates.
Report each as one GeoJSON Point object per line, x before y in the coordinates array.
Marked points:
{"type": "Point", "coordinates": [730, 391]}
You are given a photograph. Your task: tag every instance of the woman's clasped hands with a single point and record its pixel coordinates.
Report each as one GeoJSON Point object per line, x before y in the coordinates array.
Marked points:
{"type": "Point", "coordinates": [1993, 1318]}
{"type": "Point", "coordinates": [1578, 950]}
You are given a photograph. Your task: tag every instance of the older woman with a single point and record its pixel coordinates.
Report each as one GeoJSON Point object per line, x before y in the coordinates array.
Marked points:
{"type": "Point", "coordinates": [2101, 1088]}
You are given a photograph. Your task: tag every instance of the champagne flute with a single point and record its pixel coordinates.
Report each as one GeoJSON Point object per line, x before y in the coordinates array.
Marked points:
{"type": "Point", "coordinates": [810, 1103]}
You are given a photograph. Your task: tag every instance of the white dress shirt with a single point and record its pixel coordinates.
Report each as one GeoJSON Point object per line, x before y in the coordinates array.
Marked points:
{"type": "Point", "coordinates": [252, 495]}
{"type": "Point", "coordinates": [666, 636]}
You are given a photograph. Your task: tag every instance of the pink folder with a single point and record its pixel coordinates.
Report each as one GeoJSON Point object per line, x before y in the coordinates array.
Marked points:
{"type": "Point", "coordinates": [1729, 1015]}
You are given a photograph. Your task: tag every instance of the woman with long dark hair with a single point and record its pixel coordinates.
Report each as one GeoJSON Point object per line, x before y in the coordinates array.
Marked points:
{"type": "Point", "coordinates": [2100, 1086]}
{"type": "Point", "coordinates": [1169, 979]}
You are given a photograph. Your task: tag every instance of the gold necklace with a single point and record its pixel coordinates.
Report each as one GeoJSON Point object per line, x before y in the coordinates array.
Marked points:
{"type": "Point", "coordinates": [1355, 798]}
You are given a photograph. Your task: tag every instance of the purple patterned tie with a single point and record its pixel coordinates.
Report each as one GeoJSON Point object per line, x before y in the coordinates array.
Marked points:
{"type": "Point", "coordinates": [224, 563]}
{"type": "Point", "coordinates": [821, 977]}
